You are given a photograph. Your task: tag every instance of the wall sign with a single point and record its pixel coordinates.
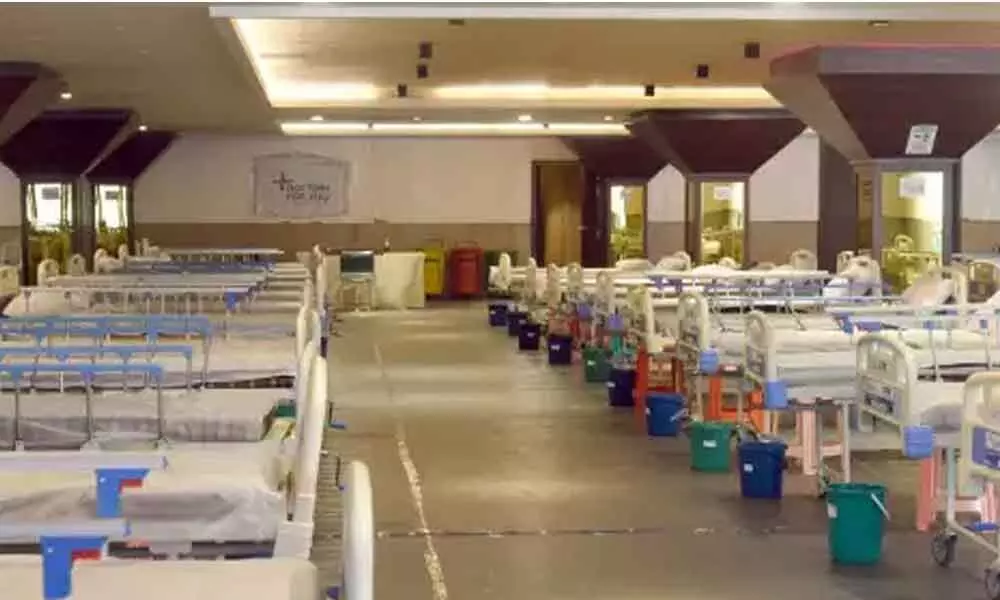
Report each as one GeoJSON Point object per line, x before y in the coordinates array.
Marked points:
{"type": "Point", "coordinates": [300, 186]}
{"type": "Point", "coordinates": [912, 186]}
{"type": "Point", "coordinates": [921, 140]}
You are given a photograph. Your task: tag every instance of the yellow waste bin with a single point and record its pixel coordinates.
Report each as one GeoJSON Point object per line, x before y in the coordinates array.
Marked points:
{"type": "Point", "coordinates": [434, 270]}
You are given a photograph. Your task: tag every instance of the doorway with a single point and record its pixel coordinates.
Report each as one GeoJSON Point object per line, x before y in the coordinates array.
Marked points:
{"type": "Point", "coordinates": [557, 211]}
{"type": "Point", "coordinates": [48, 224]}
{"type": "Point", "coordinates": [626, 220]}
{"type": "Point", "coordinates": [111, 216]}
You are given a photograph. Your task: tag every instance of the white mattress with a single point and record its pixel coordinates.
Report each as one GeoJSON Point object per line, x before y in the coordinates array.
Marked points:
{"type": "Point", "coordinates": [210, 492]}
{"type": "Point", "coordinates": [825, 341]}
{"type": "Point", "coordinates": [256, 579]}
{"type": "Point", "coordinates": [206, 415]}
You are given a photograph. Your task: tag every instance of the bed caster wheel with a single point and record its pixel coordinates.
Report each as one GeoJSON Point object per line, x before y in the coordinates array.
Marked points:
{"type": "Point", "coordinates": [821, 488]}
{"type": "Point", "coordinates": [943, 548]}
{"type": "Point", "coordinates": [992, 582]}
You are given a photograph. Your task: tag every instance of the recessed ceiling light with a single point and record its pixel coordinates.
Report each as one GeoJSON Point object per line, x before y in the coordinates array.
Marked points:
{"type": "Point", "coordinates": [608, 118]}
{"type": "Point", "coordinates": [417, 119]}
{"type": "Point", "coordinates": [316, 118]}
{"type": "Point", "coordinates": [66, 96]}
{"type": "Point", "coordinates": [524, 118]}
{"type": "Point", "coordinates": [143, 128]}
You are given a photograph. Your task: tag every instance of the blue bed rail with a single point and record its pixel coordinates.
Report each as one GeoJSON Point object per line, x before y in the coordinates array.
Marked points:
{"type": "Point", "coordinates": [150, 327]}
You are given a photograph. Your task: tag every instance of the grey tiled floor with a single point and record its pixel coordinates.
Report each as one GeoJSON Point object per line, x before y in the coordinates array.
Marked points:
{"type": "Point", "coordinates": [531, 488]}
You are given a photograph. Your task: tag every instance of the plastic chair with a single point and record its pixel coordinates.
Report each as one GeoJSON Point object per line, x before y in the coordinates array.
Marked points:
{"type": "Point", "coordinates": [357, 278]}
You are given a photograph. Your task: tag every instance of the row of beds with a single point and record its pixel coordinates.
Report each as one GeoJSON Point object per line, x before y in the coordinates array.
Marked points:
{"type": "Point", "coordinates": [135, 423]}
{"type": "Point", "coordinates": [914, 373]}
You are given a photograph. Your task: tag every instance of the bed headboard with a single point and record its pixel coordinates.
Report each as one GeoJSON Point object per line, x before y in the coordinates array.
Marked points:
{"type": "Point", "coordinates": [984, 279]}
{"type": "Point", "coordinates": [530, 290]}
{"type": "Point", "coordinates": [803, 260]}
{"type": "Point", "coordinates": [310, 429]}
{"type": "Point", "coordinates": [553, 285]}
{"type": "Point", "coordinates": [979, 453]}
{"type": "Point", "coordinates": [887, 390]}
{"type": "Point", "coordinates": [693, 342]}
{"type": "Point", "coordinates": [887, 375]}
{"type": "Point", "coordinates": [574, 279]}
{"type": "Point", "coordinates": [759, 364]}
{"type": "Point", "coordinates": [604, 291]}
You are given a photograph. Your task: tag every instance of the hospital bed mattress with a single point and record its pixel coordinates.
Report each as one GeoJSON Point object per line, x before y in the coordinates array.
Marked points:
{"type": "Point", "coordinates": [210, 492]}
{"type": "Point", "coordinates": [59, 419]}
{"type": "Point", "coordinates": [110, 579]}
{"type": "Point", "coordinates": [823, 342]}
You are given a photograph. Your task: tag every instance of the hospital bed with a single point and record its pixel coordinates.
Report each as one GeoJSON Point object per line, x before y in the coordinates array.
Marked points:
{"type": "Point", "coordinates": [973, 461]}
{"type": "Point", "coordinates": [219, 360]}
{"type": "Point", "coordinates": [270, 579]}
{"type": "Point", "coordinates": [779, 361]}
{"type": "Point", "coordinates": [231, 498]}
{"type": "Point", "coordinates": [222, 254]}
{"type": "Point", "coordinates": [62, 416]}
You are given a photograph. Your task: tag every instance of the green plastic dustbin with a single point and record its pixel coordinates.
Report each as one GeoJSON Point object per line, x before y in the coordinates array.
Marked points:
{"type": "Point", "coordinates": [856, 522]}
{"type": "Point", "coordinates": [596, 364]}
{"type": "Point", "coordinates": [710, 452]}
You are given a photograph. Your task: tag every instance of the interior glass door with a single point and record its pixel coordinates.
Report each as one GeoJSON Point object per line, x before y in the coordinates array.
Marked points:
{"type": "Point", "coordinates": [627, 222]}
{"type": "Point", "coordinates": [912, 225]}
{"type": "Point", "coordinates": [723, 205]}
{"type": "Point", "coordinates": [48, 208]}
{"type": "Point", "coordinates": [111, 216]}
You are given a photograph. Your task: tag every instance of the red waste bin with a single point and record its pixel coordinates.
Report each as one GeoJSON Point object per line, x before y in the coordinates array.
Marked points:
{"type": "Point", "coordinates": [465, 271]}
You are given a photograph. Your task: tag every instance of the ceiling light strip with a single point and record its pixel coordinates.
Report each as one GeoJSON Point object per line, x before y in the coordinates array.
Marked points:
{"type": "Point", "coordinates": [541, 91]}
{"type": "Point", "coordinates": [453, 128]}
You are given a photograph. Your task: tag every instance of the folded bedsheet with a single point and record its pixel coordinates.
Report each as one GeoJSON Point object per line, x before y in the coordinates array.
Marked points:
{"type": "Point", "coordinates": [209, 492]}
{"type": "Point", "coordinates": [59, 419]}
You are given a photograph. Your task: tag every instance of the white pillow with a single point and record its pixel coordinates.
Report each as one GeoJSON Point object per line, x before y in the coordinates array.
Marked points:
{"type": "Point", "coordinates": [712, 270]}
{"type": "Point", "coordinates": [929, 291]}
{"type": "Point", "coordinates": [42, 303]}
{"type": "Point", "coordinates": [633, 264]}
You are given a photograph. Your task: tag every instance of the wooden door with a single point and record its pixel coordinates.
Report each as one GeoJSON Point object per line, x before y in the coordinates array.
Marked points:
{"type": "Point", "coordinates": [558, 212]}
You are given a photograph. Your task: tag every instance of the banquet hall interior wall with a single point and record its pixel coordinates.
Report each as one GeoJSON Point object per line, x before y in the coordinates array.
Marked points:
{"type": "Point", "coordinates": [419, 191]}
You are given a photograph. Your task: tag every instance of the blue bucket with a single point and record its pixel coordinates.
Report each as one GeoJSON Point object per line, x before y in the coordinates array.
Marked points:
{"type": "Point", "coordinates": [664, 414]}
{"type": "Point", "coordinates": [514, 320]}
{"type": "Point", "coordinates": [529, 336]}
{"type": "Point", "coordinates": [621, 384]}
{"type": "Point", "coordinates": [560, 349]}
{"type": "Point", "coordinates": [498, 314]}
{"type": "Point", "coordinates": [762, 465]}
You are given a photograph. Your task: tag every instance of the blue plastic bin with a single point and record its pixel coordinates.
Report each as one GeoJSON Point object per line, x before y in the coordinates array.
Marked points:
{"type": "Point", "coordinates": [762, 465]}
{"type": "Point", "coordinates": [529, 336]}
{"type": "Point", "coordinates": [498, 314]}
{"type": "Point", "coordinates": [621, 385]}
{"type": "Point", "coordinates": [664, 414]}
{"type": "Point", "coordinates": [514, 320]}
{"type": "Point", "coordinates": [560, 349]}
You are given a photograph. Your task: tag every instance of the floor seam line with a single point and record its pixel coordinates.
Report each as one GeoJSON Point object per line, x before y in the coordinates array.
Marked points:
{"type": "Point", "coordinates": [432, 561]}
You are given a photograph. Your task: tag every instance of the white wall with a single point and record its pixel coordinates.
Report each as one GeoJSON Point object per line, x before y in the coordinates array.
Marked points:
{"type": "Point", "coordinates": [207, 178]}
{"type": "Point", "coordinates": [981, 181]}
{"type": "Point", "coordinates": [405, 180]}
{"type": "Point", "coordinates": [785, 189]}
{"type": "Point", "coordinates": [10, 202]}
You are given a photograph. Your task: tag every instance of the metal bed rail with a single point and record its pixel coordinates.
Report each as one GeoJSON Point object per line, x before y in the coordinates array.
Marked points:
{"type": "Point", "coordinates": [87, 372]}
